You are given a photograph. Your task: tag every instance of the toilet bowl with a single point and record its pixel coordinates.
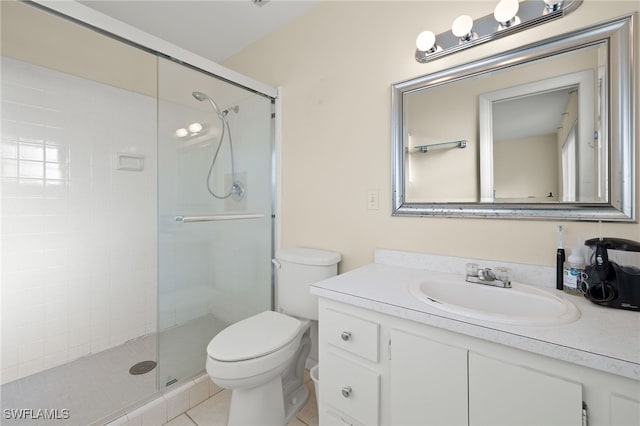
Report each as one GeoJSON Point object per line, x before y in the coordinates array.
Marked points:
{"type": "Point", "coordinates": [250, 358]}
{"type": "Point", "coordinates": [261, 359]}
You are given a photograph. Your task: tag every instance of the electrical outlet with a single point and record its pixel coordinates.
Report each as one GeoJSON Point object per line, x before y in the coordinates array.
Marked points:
{"type": "Point", "coordinates": [372, 200]}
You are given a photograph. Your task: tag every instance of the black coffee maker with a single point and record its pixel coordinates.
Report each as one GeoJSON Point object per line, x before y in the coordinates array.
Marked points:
{"type": "Point", "coordinates": [607, 283]}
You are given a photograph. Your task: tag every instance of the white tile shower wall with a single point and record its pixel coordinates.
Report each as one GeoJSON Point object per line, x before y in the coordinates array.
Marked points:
{"type": "Point", "coordinates": [78, 235]}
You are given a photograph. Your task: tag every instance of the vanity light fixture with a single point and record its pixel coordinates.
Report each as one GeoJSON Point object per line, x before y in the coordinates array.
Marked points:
{"type": "Point", "coordinates": [426, 44]}
{"type": "Point", "coordinates": [509, 17]}
{"type": "Point", "coordinates": [463, 28]}
{"type": "Point", "coordinates": [552, 5]}
{"type": "Point", "coordinates": [506, 13]}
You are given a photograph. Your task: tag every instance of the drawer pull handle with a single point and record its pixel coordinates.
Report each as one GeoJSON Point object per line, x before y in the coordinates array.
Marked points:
{"type": "Point", "coordinates": [346, 391]}
{"type": "Point", "coordinates": [346, 335]}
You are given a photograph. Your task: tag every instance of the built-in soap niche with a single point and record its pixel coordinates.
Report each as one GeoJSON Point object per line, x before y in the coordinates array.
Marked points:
{"type": "Point", "coordinates": [130, 162]}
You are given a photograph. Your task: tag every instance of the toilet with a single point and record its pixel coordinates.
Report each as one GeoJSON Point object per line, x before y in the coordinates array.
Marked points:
{"type": "Point", "coordinates": [261, 359]}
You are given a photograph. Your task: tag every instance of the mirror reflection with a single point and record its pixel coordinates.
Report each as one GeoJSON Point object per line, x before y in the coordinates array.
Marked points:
{"type": "Point", "coordinates": [534, 159]}
{"type": "Point", "coordinates": [536, 134]}
{"type": "Point", "coordinates": [546, 136]}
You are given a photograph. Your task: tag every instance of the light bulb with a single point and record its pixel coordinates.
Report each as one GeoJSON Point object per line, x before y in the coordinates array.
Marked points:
{"type": "Point", "coordinates": [182, 132]}
{"type": "Point", "coordinates": [195, 127]}
{"type": "Point", "coordinates": [505, 13]}
{"type": "Point", "coordinates": [462, 27]}
{"type": "Point", "coordinates": [426, 41]}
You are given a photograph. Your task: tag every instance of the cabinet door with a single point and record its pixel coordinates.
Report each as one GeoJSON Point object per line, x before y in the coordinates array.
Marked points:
{"type": "Point", "coordinates": [624, 411]}
{"type": "Point", "coordinates": [505, 394]}
{"type": "Point", "coordinates": [428, 381]}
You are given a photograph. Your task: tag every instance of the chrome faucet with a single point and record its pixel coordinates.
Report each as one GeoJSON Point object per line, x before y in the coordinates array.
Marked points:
{"type": "Point", "coordinates": [497, 278]}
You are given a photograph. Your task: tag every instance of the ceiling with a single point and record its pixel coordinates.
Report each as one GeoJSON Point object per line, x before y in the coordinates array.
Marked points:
{"type": "Point", "coordinates": [214, 29]}
{"type": "Point", "coordinates": [538, 114]}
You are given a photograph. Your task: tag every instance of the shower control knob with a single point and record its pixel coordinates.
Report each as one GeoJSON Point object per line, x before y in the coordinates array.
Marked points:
{"type": "Point", "coordinates": [346, 335]}
{"type": "Point", "coordinates": [346, 391]}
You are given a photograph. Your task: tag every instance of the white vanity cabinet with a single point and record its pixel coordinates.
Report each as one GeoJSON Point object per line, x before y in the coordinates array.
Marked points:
{"type": "Point", "coordinates": [402, 372]}
{"type": "Point", "coordinates": [350, 383]}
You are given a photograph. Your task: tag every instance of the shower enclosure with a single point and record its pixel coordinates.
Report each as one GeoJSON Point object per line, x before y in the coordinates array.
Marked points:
{"type": "Point", "coordinates": [214, 252]}
{"type": "Point", "coordinates": [114, 251]}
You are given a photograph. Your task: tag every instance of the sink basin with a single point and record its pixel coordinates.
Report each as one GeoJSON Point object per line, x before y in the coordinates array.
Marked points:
{"type": "Point", "coordinates": [519, 305]}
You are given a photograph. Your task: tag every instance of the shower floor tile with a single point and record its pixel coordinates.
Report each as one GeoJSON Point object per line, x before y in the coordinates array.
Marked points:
{"type": "Point", "coordinates": [99, 386]}
{"type": "Point", "coordinates": [89, 388]}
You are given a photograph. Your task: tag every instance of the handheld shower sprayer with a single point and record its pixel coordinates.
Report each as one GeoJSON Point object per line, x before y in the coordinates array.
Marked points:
{"type": "Point", "coordinates": [204, 97]}
{"type": "Point", "coordinates": [237, 188]}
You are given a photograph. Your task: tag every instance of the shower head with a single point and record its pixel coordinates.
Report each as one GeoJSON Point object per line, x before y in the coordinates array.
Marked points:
{"type": "Point", "coordinates": [203, 96]}
{"type": "Point", "coordinates": [200, 96]}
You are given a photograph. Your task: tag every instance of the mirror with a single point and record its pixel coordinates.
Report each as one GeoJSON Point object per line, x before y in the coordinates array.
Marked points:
{"type": "Point", "coordinates": [545, 131]}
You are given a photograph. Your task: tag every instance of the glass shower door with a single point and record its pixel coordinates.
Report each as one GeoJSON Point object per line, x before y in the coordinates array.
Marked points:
{"type": "Point", "coordinates": [214, 220]}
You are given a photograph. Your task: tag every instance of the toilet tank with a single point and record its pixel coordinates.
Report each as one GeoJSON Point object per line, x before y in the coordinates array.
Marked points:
{"type": "Point", "coordinates": [298, 268]}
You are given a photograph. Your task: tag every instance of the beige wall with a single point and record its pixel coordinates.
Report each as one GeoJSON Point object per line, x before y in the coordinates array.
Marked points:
{"type": "Point", "coordinates": [526, 169]}
{"type": "Point", "coordinates": [335, 66]}
{"type": "Point", "coordinates": [41, 38]}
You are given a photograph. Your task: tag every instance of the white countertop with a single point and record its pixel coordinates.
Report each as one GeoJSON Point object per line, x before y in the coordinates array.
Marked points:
{"type": "Point", "coordinates": [602, 338]}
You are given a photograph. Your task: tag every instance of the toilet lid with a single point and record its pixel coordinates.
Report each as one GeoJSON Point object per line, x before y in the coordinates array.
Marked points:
{"type": "Point", "coordinates": [254, 337]}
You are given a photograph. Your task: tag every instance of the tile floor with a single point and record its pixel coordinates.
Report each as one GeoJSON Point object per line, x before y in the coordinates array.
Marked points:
{"type": "Point", "coordinates": [215, 410]}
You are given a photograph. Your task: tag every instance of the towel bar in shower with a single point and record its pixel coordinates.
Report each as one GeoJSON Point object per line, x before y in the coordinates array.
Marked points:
{"type": "Point", "coordinates": [427, 148]}
{"type": "Point", "coordinates": [187, 219]}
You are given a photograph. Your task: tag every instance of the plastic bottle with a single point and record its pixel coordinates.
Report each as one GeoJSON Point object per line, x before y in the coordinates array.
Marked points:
{"type": "Point", "coordinates": [572, 272]}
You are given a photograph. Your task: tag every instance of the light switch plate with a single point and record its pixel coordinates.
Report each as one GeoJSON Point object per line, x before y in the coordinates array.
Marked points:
{"type": "Point", "coordinates": [373, 199]}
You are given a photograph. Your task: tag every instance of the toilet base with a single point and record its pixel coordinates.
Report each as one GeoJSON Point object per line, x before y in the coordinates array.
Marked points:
{"type": "Point", "coordinates": [295, 402]}
{"type": "Point", "coordinates": [262, 405]}
{"type": "Point", "coordinates": [276, 402]}
{"type": "Point", "coordinates": [268, 407]}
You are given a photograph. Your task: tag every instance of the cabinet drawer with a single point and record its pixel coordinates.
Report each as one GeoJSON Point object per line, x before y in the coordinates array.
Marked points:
{"type": "Point", "coordinates": [336, 418]}
{"type": "Point", "coordinates": [350, 388]}
{"type": "Point", "coordinates": [352, 334]}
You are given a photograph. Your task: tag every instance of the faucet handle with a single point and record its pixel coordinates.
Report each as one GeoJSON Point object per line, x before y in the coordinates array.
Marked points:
{"type": "Point", "coordinates": [472, 269]}
{"type": "Point", "coordinates": [502, 273]}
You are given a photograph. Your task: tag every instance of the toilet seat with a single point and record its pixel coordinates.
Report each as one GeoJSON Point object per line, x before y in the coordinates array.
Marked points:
{"type": "Point", "coordinates": [254, 337]}
{"type": "Point", "coordinates": [260, 345]}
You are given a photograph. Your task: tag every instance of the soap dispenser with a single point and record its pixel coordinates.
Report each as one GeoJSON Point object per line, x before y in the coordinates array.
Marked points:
{"type": "Point", "coordinates": [572, 272]}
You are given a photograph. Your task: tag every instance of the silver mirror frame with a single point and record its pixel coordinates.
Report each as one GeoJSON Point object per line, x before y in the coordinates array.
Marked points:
{"type": "Point", "coordinates": [622, 205]}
